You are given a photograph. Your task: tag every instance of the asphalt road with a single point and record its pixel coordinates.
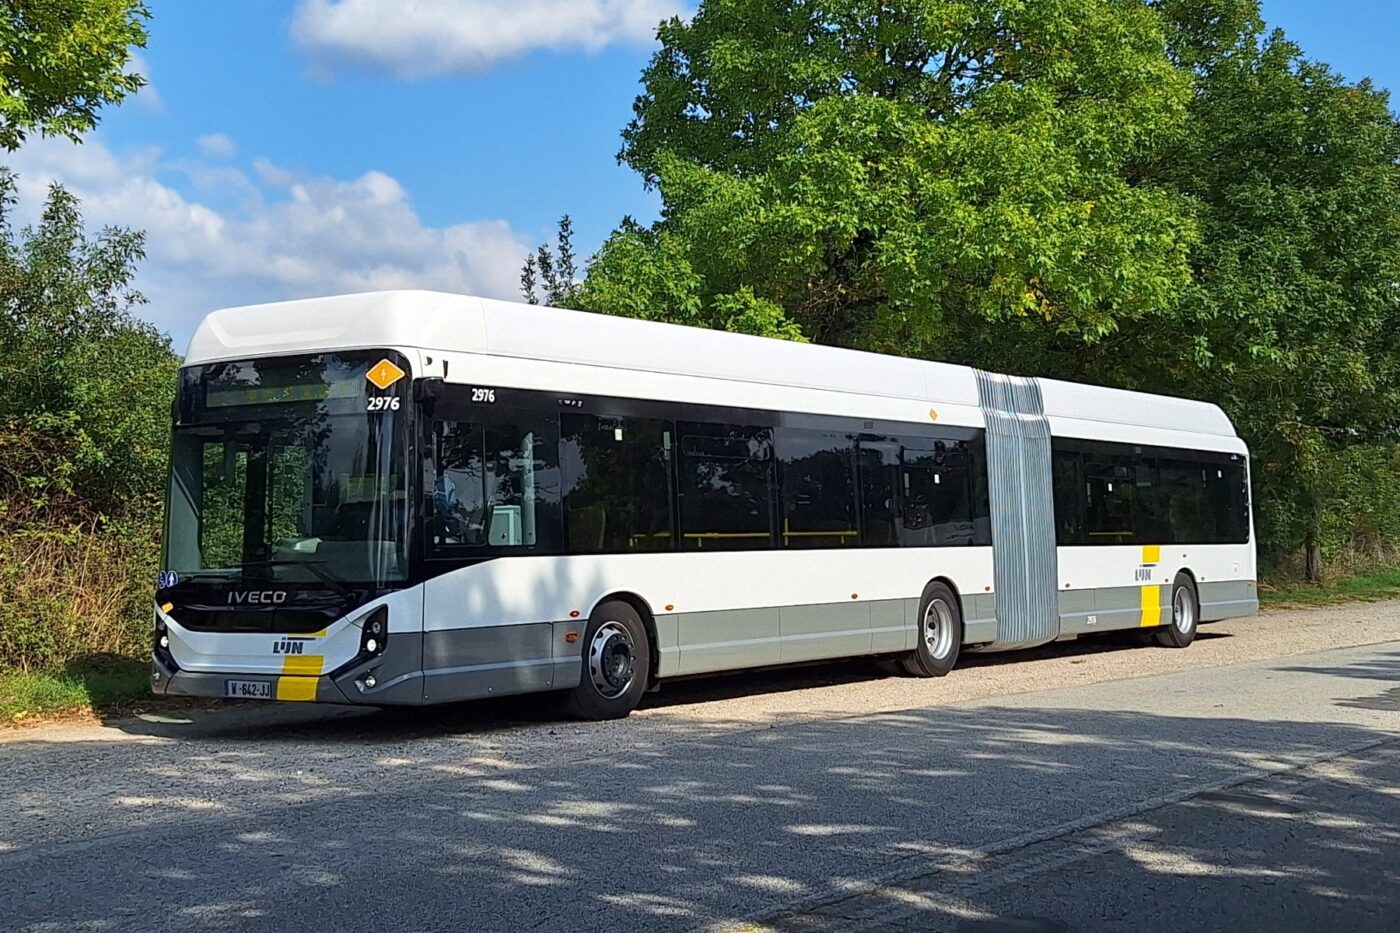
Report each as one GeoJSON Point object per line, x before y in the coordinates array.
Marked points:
{"type": "Point", "coordinates": [1245, 796]}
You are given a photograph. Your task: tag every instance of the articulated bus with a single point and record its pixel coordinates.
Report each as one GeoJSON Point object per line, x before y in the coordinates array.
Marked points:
{"type": "Point", "coordinates": [412, 497]}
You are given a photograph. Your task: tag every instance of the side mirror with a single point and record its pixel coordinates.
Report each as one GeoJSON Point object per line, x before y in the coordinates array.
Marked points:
{"type": "Point", "coordinates": [428, 389]}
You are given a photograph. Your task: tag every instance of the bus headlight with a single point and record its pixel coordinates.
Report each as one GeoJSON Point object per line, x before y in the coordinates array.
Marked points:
{"type": "Point", "coordinates": [374, 634]}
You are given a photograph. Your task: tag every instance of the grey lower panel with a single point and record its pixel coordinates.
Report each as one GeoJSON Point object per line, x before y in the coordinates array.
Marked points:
{"type": "Point", "coordinates": [703, 642]}
{"type": "Point", "coordinates": [729, 639]}
{"type": "Point", "coordinates": [469, 663]}
{"type": "Point", "coordinates": [980, 622]}
{"type": "Point", "coordinates": [739, 638]}
{"type": "Point", "coordinates": [450, 649]}
{"type": "Point", "coordinates": [535, 675]}
{"type": "Point", "coordinates": [889, 632]}
{"type": "Point", "coordinates": [668, 645]}
{"type": "Point", "coordinates": [1229, 599]}
{"type": "Point", "coordinates": [1109, 609]}
{"type": "Point", "coordinates": [809, 633]}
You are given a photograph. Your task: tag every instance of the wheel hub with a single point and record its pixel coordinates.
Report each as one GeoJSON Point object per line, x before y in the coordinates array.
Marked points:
{"type": "Point", "coordinates": [938, 629]}
{"type": "Point", "coordinates": [612, 660]}
{"type": "Point", "coordinates": [1183, 611]}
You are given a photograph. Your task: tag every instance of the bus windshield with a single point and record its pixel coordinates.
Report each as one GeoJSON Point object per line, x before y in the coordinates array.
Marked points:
{"type": "Point", "coordinates": [291, 470]}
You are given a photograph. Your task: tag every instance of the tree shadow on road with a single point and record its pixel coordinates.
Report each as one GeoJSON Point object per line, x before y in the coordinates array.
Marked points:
{"type": "Point", "coordinates": [644, 825]}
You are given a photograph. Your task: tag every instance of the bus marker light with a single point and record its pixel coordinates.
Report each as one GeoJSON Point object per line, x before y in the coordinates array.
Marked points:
{"type": "Point", "coordinates": [855, 596]}
{"type": "Point", "coordinates": [669, 607]}
{"type": "Point", "coordinates": [167, 607]}
{"type": "Point", "coordinates": [570, 637]}
{"type": "Point", "coordinates": [573, 614]}
{"type": "Point", "coordinates": [165, 641]}
{"type": "Point", "coordinates": [371, 646]}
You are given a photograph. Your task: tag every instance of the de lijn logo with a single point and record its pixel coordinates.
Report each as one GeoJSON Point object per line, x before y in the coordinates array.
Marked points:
{"type": "Point", "coordinates": [166, 579]}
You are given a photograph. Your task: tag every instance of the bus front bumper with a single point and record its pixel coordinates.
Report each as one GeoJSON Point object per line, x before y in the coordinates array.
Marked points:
{"type": "Point", "coordinates": [361, 685]}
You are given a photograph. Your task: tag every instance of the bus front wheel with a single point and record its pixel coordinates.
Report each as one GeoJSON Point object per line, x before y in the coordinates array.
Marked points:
{"type": "Point", "coordinates": [616, 664]}
{"type": "Point", "coordinates": [940, 633]}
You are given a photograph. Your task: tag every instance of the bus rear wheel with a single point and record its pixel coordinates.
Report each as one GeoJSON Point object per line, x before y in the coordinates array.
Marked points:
{"type": "Point", "coordinates": [940, 634]}
{"type": "Point", "coordinates": [616, 664]}
{"type": "Point", "coordinates": [1186, 613]}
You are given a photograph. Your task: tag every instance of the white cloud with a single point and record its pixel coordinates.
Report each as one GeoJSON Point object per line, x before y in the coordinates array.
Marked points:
{"type": "Point", "coordinates": [148, 96]}
{"type": "Point", "coordinates": [432, 37]}
{"type": "Point", "coordinates": [287, 236]}
{"type": "Point", "coordinates": [217, 146]}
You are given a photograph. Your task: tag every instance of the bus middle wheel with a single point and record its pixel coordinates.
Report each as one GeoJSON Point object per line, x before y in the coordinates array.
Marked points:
{"type": "Point", "coordinates": [940, 633]}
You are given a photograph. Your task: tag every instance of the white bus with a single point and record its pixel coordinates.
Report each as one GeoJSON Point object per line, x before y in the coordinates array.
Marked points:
{"type": "Point", "coordinates": [412, 497]}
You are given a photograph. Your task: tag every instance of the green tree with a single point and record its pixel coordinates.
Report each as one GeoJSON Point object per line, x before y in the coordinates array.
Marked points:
{"type": "Point", "coordinates": [941, 178]}
{"type": "Point", "coordinates": [1291, 320]}
{"type": "Point", "coordinates": [76, 359]}
{"type": "Point", "coordinates": [63, 60]}
{"type": "Point", "coordinates": [551, 273]}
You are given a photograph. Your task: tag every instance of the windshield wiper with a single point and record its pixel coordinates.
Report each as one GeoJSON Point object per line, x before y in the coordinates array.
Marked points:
{"type": "Point", "coordinates": [227, 574]}
{"type": "Point", "coordinates": [311, 565]}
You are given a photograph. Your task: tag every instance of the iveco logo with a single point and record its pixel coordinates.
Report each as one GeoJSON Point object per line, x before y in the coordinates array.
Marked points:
{"type": "Point", "coordinates": [258, 598]}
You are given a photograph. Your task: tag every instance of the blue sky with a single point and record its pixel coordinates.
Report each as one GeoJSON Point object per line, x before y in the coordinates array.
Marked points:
{"type": "Point", "coordinates": [299, 147]}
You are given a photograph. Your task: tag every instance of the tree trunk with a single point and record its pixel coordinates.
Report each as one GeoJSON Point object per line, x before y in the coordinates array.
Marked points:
{"type": "Point", "coordinates": [1313, 556]}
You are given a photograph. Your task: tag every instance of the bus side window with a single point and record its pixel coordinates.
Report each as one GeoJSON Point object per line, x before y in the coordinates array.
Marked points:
{"type": "Point", "coordinates": [1228, 495]}
{"type": "Point", "coordinates": [617, 484]}
{"type": "Point", "coordinates": [459, 497]}
{"type": "Point", "coordinates": [725, 486]}
{"type": "Point", "coordinates": [818, 489]}
{"type": "Point", "coordinates": [935, 495]}
{"type": "Point", "coordinates": [1109, 481]}
{"type": "Point", "coordinates": [877, 466]}
{"type": "Point", "coordinates": [496, 483]}
{"type": "Point", "coordinates": [1068, 480]}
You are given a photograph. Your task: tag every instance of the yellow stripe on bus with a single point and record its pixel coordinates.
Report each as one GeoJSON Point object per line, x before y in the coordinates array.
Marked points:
{"type": "Point", "coordinates": [303, 665]}
{"type": "Point", "coordinates": [297, 689]}
{"type": "Point", "coordinates": [1151, 606]}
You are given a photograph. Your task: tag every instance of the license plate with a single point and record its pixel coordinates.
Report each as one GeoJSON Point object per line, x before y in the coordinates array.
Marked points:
{"type": "Point", "coordinates": [248, 689]}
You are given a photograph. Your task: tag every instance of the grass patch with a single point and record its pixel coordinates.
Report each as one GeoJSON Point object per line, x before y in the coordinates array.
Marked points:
{"type": "Point", "coordinates": [85, 687]}
{"type": "Point", "coordinates": [1365, 587]}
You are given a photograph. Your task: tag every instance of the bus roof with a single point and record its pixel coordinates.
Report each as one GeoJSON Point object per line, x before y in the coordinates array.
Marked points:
{"type": "Point", "coordinates": [447, 323]}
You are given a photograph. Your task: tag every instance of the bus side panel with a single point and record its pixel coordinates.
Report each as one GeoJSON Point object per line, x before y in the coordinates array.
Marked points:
{"type": "Point", "coordinates": [1112, 587]}
{"type": "Point", "coordinates": [713, 611]}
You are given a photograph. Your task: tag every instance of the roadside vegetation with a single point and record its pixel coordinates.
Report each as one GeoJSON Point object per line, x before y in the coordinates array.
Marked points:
{"type": "Point", "coordinates": [92, 686]}
{"type": "Point", "coordinates": [1363, 587]}
{"type": "Point", "coordinates": [1163, 195]}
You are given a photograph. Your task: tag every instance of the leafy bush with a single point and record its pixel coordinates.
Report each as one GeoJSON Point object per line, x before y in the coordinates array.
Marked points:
{"type": "Point", "coordinates": [85, 394]}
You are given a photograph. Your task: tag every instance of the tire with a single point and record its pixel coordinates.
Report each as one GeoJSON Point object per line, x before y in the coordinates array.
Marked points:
{"type": "Point", "coordinates": [616, 664]}
{"type": "Point", "coordinates": [940, 634]}
{"type": "Point", "coordinates": [1186, 615]}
